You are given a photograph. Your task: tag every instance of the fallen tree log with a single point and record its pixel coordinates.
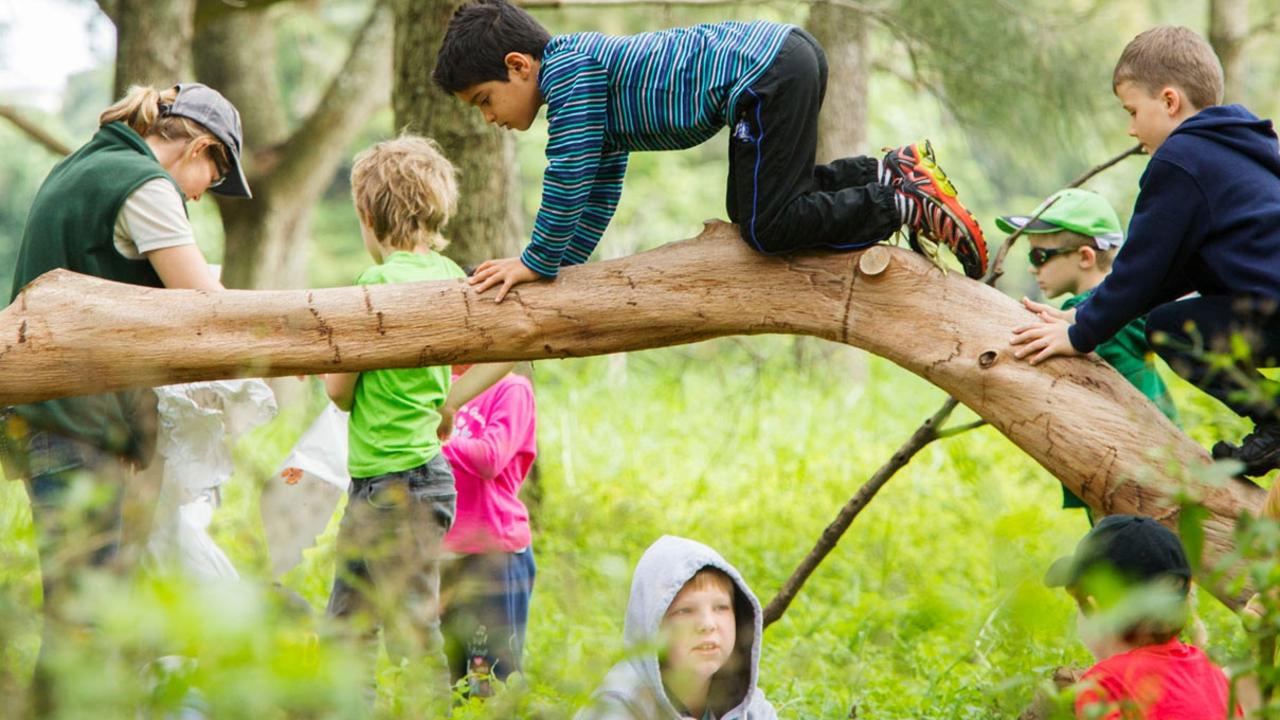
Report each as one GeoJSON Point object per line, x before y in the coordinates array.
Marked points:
{"type": "Point", "coordinates": [67, 334]}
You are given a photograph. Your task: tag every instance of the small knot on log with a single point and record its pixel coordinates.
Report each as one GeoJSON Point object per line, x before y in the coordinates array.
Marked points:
{"type": "Point", "coordinates": [988, 358]}
{"type": "Point", "coordinates": [874, 260]}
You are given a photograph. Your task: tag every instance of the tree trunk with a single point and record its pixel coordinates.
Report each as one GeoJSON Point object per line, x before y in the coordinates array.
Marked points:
{"type": "Point", "coordinates": [153, 42]}
{"type": "Point", "coordinates": [842, 125]}
{"type": "Point", "coordinates": [842, 132]}
{"type": "Point", "coordinates": [66, 334]}
{"type": "Point", "coordinates": [489, 221]}
{"type": "Point", "coordinates": [268, 237]}
{"type": "Point", "coordinates": [1228, 32]}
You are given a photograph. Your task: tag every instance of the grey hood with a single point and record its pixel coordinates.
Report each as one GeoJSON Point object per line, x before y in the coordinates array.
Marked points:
{"type": "Point", "coordinates": [633, 689]}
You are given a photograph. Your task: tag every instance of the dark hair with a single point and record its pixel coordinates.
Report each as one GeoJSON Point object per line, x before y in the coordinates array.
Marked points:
{"type": "Point", "coordinates": [480, 35]}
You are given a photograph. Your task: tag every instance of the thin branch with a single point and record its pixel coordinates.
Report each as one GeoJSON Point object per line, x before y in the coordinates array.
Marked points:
{"type": "Point", "coordinates": [997, 265]}
{"type": "Point", "coordinates": [208, 11]}
{"type": "Point", "coordinates": [1266, 26]}
{"type": "Point", "coordinates": [1088, 175]}
{"type": "Point", "coordinates": [948, 432]}
{"type": "Point", "coordinates": [925, 434]}
{"type": "Point", "coordinates": [34, 131]}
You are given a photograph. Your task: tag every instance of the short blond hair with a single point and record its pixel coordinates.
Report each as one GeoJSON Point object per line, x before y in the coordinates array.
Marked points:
{"type": "Point", "coordinates": [1170, 56]}
{"type": "Point", "coordinates": [144, 109]}
{"type": "Point", "coordinates": [405, 191]}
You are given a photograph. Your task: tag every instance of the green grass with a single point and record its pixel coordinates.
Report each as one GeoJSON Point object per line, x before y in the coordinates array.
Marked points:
{"type": "Point", "coordinates": [931, 606]}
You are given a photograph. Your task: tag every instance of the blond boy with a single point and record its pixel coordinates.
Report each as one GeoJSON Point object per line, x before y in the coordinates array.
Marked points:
{"type": "Point", "coordinates": [402, 497]}
{"type": "Point", "coordinates": [1207, 221]}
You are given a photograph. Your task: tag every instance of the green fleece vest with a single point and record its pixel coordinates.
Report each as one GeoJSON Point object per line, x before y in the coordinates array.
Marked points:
{"type": "Point", "coordinates": [71, 225]}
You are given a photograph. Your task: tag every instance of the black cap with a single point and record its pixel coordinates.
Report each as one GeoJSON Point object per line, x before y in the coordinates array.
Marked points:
{"type": "Point", "coordinates": [1138, 549]}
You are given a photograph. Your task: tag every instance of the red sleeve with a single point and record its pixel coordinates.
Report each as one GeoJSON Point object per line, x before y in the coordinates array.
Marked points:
{"type": "Point", "coordinates": [508, 425]}
{"type": "Point", "coordinates": [1097, 699]}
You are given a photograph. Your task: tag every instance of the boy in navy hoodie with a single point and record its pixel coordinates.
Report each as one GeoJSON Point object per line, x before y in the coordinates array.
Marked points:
{"type": "Point", "coordinates": [1207, 220]}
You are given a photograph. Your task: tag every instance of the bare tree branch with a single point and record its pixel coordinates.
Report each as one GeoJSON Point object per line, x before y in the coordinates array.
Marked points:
{"type": "Point", "coordinates": [34, 131]}
{"type": "Point", "coordinates": [361, 86]}
{"type": "Point", "coordinates": [1266, 26]}
{"type": "Point", "coordinates": [212, 10]}
{"type": "Point", "coordinates": [925, 434]}
{"type": "Point", "coordinates": [948, 432]}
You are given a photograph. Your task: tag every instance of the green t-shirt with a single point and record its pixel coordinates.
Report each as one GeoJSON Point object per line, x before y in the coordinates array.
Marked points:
{"type": "Point", "coordinates": [1128, 352]}
{"type": "Point", "coordinates": [395, 413]}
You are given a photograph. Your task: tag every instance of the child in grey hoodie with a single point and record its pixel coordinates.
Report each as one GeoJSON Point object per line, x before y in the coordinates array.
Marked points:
{"type": "Point", "coordinates": [693, 628]}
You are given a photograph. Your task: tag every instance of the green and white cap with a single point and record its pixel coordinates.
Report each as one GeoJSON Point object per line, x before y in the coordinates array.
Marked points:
{"type": "Point", "coordinates": [1081, 211]}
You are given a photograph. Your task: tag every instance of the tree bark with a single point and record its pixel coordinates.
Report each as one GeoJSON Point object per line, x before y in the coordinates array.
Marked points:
{"type": "Point", "coordinates": [153, 41]}
{"type": "Point", "coordinates": [268, 238]}
{"type": "Point", "coordinates": [1228, 32]}
{"type": "Point", "coordinates": [489, 221]}
{"type": "Point", "coordinates": [67, 334]}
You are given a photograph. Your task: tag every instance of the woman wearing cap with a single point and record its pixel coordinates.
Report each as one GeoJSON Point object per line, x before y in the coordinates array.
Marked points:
{"type": "Point", "coordinates": [114, 209]}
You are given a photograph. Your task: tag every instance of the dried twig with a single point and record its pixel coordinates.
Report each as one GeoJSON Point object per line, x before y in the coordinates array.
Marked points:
{"type": "Point", "coordinates": [930, 430]}
{"type": "Point", "coordinates": [34, 131]}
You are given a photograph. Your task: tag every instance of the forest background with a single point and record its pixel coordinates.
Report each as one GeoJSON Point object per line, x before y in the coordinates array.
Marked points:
{"type": "Point", "coordinates": [931, 606]}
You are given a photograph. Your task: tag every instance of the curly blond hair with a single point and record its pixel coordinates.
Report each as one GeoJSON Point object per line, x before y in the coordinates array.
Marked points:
{"type": "Point", "coordinates": [405, 192]}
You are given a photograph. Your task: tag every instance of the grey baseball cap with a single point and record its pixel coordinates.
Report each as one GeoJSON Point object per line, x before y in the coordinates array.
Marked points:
{"type": "Point", "coordinates": [206, 106]}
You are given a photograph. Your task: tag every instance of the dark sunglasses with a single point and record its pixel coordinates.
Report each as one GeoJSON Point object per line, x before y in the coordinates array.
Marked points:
{"type": "Point", "coordinates": [218, 165]}
{"type": "Point", "coordinates": [1040, 256]}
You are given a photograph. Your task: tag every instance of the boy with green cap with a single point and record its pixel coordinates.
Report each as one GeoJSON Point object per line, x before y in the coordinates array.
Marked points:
{"type": "Point", "coordinates": [1072, 245]}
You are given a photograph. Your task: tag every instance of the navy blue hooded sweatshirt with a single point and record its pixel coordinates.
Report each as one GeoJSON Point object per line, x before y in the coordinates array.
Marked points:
{"type": "Point", "coordinates": [1207, 219]}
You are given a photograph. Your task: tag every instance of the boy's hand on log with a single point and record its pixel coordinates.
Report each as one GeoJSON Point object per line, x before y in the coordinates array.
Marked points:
{"type": "Point", "coordinates": [1046, 338]}
{"type": "Point", "coordinates": [1051, 311]}
{"type": "Point", "coordinates": [507, 272]}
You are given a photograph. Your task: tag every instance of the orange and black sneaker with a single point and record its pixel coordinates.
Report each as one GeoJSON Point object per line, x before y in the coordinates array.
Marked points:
{"type": "Point", "coordinates": [932, 206]}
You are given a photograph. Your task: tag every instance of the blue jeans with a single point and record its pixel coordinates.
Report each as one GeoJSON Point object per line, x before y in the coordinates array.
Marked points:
{"type": "Point", "coordinates": [389, 547]}
{"type": "Point", "coordinates": [485, 614]}
{"type": "Point", "coordinates": [77, 498]}
{"type": "Point", "coordinates": [87, 533]}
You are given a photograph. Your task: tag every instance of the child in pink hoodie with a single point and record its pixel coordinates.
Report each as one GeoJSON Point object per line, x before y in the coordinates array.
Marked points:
{"type": "Point", "coordinates": [487, 578]}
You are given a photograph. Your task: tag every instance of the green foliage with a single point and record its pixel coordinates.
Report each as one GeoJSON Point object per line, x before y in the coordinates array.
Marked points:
{"type": "Point", "coordinates": [930, 607]}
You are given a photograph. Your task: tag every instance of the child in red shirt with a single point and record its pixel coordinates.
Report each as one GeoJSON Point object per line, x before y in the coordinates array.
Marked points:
{"type": "Point", "coordinates": [1130, 578]}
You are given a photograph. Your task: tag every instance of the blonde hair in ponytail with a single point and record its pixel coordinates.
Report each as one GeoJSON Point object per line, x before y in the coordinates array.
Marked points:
{"type": "Point", "coordinates": [140, 109]}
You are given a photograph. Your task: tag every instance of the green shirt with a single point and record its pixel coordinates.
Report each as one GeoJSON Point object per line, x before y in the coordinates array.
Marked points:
{"type": "Point", "coordinates": [1128, 352]}
{"type": "Point", "coordinates": [395, 413]}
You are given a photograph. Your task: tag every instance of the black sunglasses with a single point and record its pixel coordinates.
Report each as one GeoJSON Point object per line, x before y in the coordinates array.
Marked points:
{"type": "Point", "coordinates": [220, 167]}
{"type": "Point", "coordinates": [1040, 256]}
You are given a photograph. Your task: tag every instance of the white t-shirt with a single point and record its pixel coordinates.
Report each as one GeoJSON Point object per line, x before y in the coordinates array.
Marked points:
{"type": "Point", "coordinates": [153, 217]}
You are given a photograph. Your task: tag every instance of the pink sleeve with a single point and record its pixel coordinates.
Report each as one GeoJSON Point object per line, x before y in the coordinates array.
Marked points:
{"type": "Point", "coordinates": [507, 428]}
